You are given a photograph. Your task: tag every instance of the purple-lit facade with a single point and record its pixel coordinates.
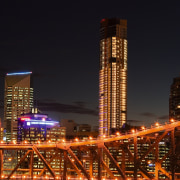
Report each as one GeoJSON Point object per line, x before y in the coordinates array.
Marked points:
{"type": "Point", "coordinates": [34, 127]}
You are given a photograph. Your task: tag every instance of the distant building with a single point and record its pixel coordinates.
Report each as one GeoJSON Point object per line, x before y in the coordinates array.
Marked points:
{"type": "Point", "coordinates": [80, 131]}
{"type": "Point", "coordinates": [71, 127]}
{"type": "Point", "coordinates": [112, 75]}
{"type": "Point", "coordinates": [18, 99]}
{"type": "Point", "coordinates": [174, 100]}
{"type": "Point", "coordinates": [84, 128]}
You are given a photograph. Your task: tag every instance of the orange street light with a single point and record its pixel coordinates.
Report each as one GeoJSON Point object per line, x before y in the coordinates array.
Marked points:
{"type": "Point", "coordinates": [117, 133]}
{"type": "Point", "coordinates": [90, 137]}
{"type": "Point", "coordinates": [149, 162]}
{"type": "Point", "coordinates": [143, 128]}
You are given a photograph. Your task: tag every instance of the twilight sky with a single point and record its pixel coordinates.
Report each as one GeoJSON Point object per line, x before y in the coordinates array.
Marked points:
{"type": "Point", "coordinates": [59, 42]}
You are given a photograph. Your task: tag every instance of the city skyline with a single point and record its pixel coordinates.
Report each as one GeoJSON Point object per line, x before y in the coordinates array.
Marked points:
{"type": "Point", "coordinates": [61, 48]}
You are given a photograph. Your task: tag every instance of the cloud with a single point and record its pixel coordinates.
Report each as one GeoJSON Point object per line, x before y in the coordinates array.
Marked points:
{"type": "Point", "coordinates": [164, 117]}
{"type": "Point", "coordinates": [147, 114]}
{"type": "Point", "coordinates": [133, 121]}
{"type": "Point", "coordinates": [77, 107]}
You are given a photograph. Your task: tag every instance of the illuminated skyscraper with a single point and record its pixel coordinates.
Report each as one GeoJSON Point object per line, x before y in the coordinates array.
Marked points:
{"type": "Point", "coordinates": [112, 75]}
{"type": "Point", "coordinates": [18, 99]}
{"type": "Point", "coordinates": [174, 100]}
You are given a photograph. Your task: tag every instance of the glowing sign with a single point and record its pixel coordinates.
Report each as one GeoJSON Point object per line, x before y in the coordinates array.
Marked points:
{"type": "Point", "coordinates": [19, 73]}
{"type": "Point", "coordinates": [28, 123]}
{"type": "Point", "coordinates": [35, 122]}
{"type": "Point", "coordinates": [25, 118]}
{"type": "Point", "coordinates": [43, 122]}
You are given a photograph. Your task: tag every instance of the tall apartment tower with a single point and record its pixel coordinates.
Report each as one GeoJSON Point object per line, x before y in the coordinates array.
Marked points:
{"type": "Point", "coordinates": [18, 99]}
{"type": "Point", "coordinates": [174, 99]}
{"type": "Point", "coordinates": [112, 75]}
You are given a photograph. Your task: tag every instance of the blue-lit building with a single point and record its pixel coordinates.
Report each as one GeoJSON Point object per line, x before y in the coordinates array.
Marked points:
{"type": "Point", "coordinates": [35, 128]}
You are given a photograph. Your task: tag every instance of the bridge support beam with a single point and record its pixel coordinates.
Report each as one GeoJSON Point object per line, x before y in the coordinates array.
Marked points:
{"type": "Point", "coordinates": [79, 163]}
{"type": "Point", "coordinates": [44, 161]}
{"type": "Point", "coordinates": [1, 163]}
{"type": "Point", "coordinates": [91, 164]}
{"type": "Point", "coordinates": [74, 166]}
{"type": "Point", "coordinates": [173, 155]}
{"type": "Point", "coordinates": [99, 163]}
{"type": "Point", "coordinates": [135, 158]}
{"type": "Point", "coordinates": [156, 161]}
{"type": "Point", "coordinates": [31, 164]}
{"type": "Point", "coordinates": [65, 165]}
{"type": "Point", "coordinates": [115, 163]}
{"type": "Point", "coordinates": [22, 159]}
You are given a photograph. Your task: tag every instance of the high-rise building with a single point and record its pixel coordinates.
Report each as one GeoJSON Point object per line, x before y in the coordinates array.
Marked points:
{"type": "Point", "coordinates": [112, 75]}
{"type": "Point", "coordinates": [174, 100]}
{"type": "Point", "coordinates": [18, 99]}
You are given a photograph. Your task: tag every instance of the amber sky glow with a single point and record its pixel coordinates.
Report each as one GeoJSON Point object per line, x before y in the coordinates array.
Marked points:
{"type": "Point", "coordinates": [59, 43]}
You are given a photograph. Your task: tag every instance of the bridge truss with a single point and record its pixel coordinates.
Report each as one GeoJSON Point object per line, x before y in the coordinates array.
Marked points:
{"type": "Point", "coordinates": [148, 153]}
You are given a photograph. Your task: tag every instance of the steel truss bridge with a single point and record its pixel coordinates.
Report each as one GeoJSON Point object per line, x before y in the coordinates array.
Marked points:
{"type": "Point", "coordinates": [143, 154]}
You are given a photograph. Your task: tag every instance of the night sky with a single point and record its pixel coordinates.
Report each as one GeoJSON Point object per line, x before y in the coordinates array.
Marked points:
{"type": "Point", "coordinates": [59, 42]}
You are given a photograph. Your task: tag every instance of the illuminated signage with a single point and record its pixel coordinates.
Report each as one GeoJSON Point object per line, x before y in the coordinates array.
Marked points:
{"type": "Point", "coordinates": [25, 118]}
{"type": "Point", "coordinates": [19, 73]}
{"type": "Point", "coordinates": [28, 123]}
{"type": "Point", "coordinates": [35, 122]}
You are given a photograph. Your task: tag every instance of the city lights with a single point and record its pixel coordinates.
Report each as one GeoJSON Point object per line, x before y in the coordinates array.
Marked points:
{"type": "Point", "coordinates": [76, 139]}
{"type": "Point", "coordinates": [34, 146]}
{"type": "Point", "coordinates": [99, 142]}
{"type": "Point", "coordinates": [143, 128]}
